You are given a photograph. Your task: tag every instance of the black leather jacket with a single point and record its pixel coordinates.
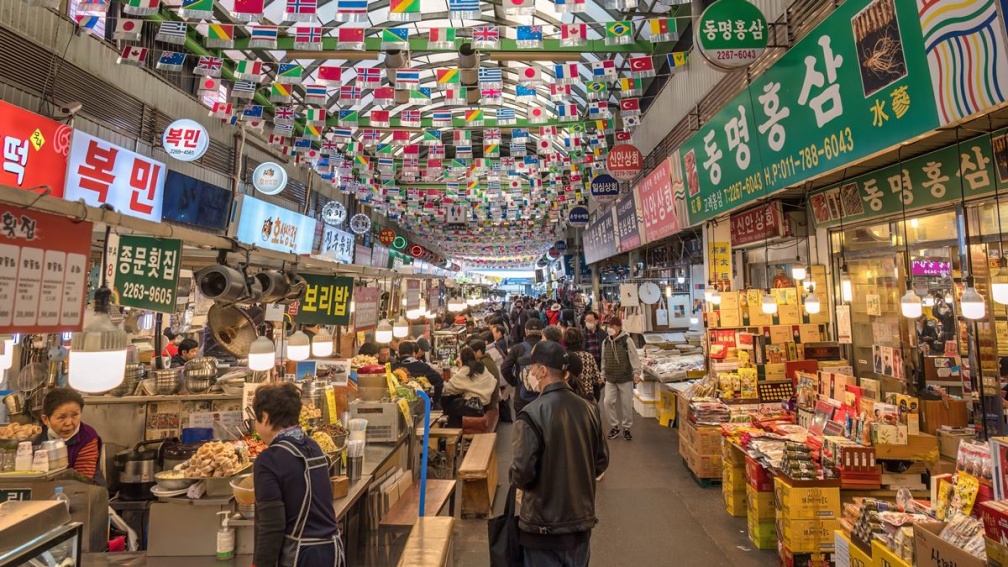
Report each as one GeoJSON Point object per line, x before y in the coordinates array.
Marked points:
{"type": "Point", "coordinates": [559, 450]}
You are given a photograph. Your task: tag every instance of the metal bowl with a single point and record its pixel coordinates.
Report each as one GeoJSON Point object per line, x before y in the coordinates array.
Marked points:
{"type": "Point", "coordinates": [232, 386]}
{"type": "Point", "coordinates": [202, 367]}
{"type": "Point", "coordinates": [133, 375]}
{"type": "Point", "coordinates": [198, 385]}
{"type": "Point", "coordinates": [175, 482]}
{"type": "Point", "coordinates": [166, 382]}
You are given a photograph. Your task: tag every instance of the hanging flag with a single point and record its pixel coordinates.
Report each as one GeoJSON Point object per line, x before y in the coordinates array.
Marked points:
{"type": "Point", "coordinates": [663, 29]}
{"type": "Point", "coordinates": [264, 37]}
{"type": "Point", "coordinates": [369, 77]}
{"type": "Point", "coordinates": [456, 95]}
{"type": "Point", "coordinates": [431, 137]}
{"type": "Point", "coordinates": [530, 75]}
{"type": "Point", "coordinates": [349, 93]}
{"type": "Point", "coordinates": [128, 29]}
{"type": "Point", "coordinates": [88, 23]}
{"type": "Point", "coordinates": [462, 137]}
{"type": "Point", "coordinates": [208, 66]}
{"type": "Point", "coordinates": [404, 10]}
{"type": "Point", "coordinates": [394, 38]}
{"type": "Point", "coordinates": [677, 61]}
{"type": "Point", "coordinates": [492, 97]}
{"type": "Point", "coordinates": [597, 90]}
{"type": "Point", "coordinates": [207, 85]}
{"type": "Point", "coordinates": [448, 76]}
{"type": "Point", "coordinates": [276, 140]}
{"type": "Point", "coordinates": [342, 133]}
{"type": "Point", "coordinates": [222, 110]}
{"type": "Point", "coordinates": [573, 35]}
{"type": "Point", "coordinates": [604, 70]}
{"type": "Point", "coordinates": [486, 37]}
{"type": "Point", "coordinates": [549, 132]}
{"type": "Point", "coordinates": [630, 107]}
{"type": "Point", "coordinates": [410, 119]}
{"type": "Point", "coordinates": [311, 132]}
{"type": "Point", "coordinates": [631, 87]}
{"type": "Point", "coordinates": [330, 75]}
{"type": "Point", "coordinates": [132, 55]}
{"type": "Point", "coordinates": [316, 95]}
{"type": "Point", "coordinates": [171, 61]}
{"type": "Point", "coordinates": [641, 67]}
{"type": "Point", "coordinates": [524, 93]}
{"type": "Point", "coordinates": [308, 38]}
{"type": "Point", "coordinates": [604, 126]}
{"type": "Point", "coordinates": [519, 7]}
{"type": "Point", "coordinates": [371, 135]}
{"type": "Point", "coordinates": [570, 6]}
{"type": "Point", "coordinates": [285, 129]}
{"type": "Point", "coordinates": [491, 149]}
{"type": "Point", "coordinates": [566, 73]}
{"type": "Point", "coordinates": [349, 117]}
{"type": "Point", "coordinates": [441, 118]}
{"type": "Point", "coordinates": [400, 137]}
{"type": "Point", "coordinates": [567, 112]}
{"type": "Point", "coordinates": [172, 32]}
{"type": "Point", "coordinates": [350, 38]}
{"type": "Point", "coordinates": [250, 70]}
{"type": "Point", "coordinates": [420, 94]}
{"type": "Point", "coordinates": [351, 10]}
{"type": "Point", "coordinates": [618, 33]}
{"type": "Point", "coordinates": [220, 36]}
{"type": "Point", "coordinates": [464, 9]}
{"type": "Point", "coordinates": [248, 10]}
{"type": "Point", "coordinates": [490, 77]}
{"type": "Point", "coordinates": [289, 73]}
{"type": "Point", "coordinates": [599, 109]}
{"type": "Point", "coordinates": [300, 10]}
{"type": "Point", "coordinates": [384, 96]}
{"type": "Point", "coordinates": [196, 9]}
{"type": "Point", "coordinates": [406, 78]}
{"type": "Point", "coordinates": [624, 136]}
{"type": "Point", "coordinates": [280, 92]}
{"type": "Point", "coordinates": [518, 149]}
{"type": "Point", "coordinates": [315, 116]}
{"type": "Point", "coordinates": [243, 89]}
{"type": "Point", "coordinates": [474, 117]}
{"type": "Point", "coordinates": [441, 38]}
{"type": "Point", "coordinates": [142, 7]}
{"type": "Point", "coordinates": [536, 115]}
{"type": "Point", "coordinates": [283, 115]}
{"type": "Point", "coordinates": [379, 118]}
{"type": "Point", "coordinates": [560, 92]}
{"type": "Point", "coordinates": [252, 112]}
{"type": "Point", "coordinates": [631, 122]}
{"type": "Point", "coordinates": [528, 37]}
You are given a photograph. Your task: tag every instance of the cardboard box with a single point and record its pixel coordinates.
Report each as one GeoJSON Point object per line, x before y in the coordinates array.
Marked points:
{"type": "Point", "coordinates": [735, 503]}
{"type": "Point", "coordinates": [933, 551]}
{"type": "Point", "coordinates": [733, 455]}
{"type": "Point", "coordinates": [704, 439]}
{"type": "Point", "coordinates": [856, 557]}
{"type": "Point", "coordinates": [763, 535]}
{"type": "Point", "coordinates": [948, 442]}
{"type": "Point", "coordinates": [729, 317]}
{"type": "Point", "coordinates": [994, 514]}
{"type": "Point", "coordinates": [807, 501]}
{"type": "Point", "coordinates": [758, 476]}
{"type": "Point", "coordinates": [781, 334]}
{"type": "Point", "coordinates": [917, 448]}
{"type": "Point", "coordinates": [789, 314]}
{"type": "Point", "coordinates": [760, 506]}
{"type": "Point", "coordinates": [804, 536]}
{"type": "Point", "coordinates": [703, 466]}
{"type": "Point", "coordinates": [732, 478]}
{"type": "Point", "coordinates": [789, 558]}
{"type": "Point", "coordinates": [997, 553]}
{"type": "Point", "coordinates": [729, 300]}
{"type": "Point", "coordinates": [883, 557]}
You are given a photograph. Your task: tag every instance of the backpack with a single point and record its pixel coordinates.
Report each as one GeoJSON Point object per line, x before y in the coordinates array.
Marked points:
{"type": "Point", "coordinates": [524, 392]}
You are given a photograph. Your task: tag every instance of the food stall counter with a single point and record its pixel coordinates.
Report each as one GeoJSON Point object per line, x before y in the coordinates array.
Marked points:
{"type": "Point", "coordinates": [140, 559]}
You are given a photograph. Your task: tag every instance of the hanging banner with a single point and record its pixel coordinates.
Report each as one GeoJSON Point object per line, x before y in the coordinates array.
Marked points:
{"type": "Point", "coordinates": [657, 203]}
{"type": "Point", "coordinates": [731, 34]}
{"type": "Point", "coordinates": [102, 173]}
{"type": "Point", "coordinates": [337, 245]}
{"type": "Point", "coordinates": [757, 224]}
{"type": "Point", "coordinates": [433, 296]}
{"type": "Point", "coordinates": [366, 301]}
{"type": "Point", "coordinates": [379, 256]}
{"type": "Point", "coordinates": [624, 162]}
{"type": "Point", "coordinates": [921, 182]}
{"type": "Point", "coordinates": [35, 150]}
{"type": "Point", "coordinates": [43, 271]}
{"type": "Point", "coordinates": [144, 271]}
{"type": "Point", "coordinates": [270, 226]}
{"type": "Point", "coordinates": [627, 226]}
{"type": "Point", "coordinates": [326, 301]}
{"type": "Point", "coordinates": [412, 294]}
{"type": "Point", "coordinates": [600, 237]}
{"type": "Point", "coordinates": [719, 255]}
{"type": "Point", "coordinates": [185, 140]}
{"type": "Point", "coordinates": [859, 83]}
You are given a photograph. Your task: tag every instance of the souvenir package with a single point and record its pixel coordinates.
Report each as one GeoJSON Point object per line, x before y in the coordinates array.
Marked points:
{"type": "Point", "coordinates": [975, 459]}
{"type": "Point", "coordinates": [966, 533]}
{"type": "Point", "coordinates": [798, 463]}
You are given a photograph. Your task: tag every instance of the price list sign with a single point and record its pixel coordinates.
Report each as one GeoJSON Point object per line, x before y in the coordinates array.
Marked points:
{"type": "Point", "coordinates": [366, 307]}
{"type": "Point", "coordinates": [43, 271]}
{"type": "Point", "coordinates": [412, 294]}
{"type": "Point", "coordinates": [145, 271]}
{"type": "Point", "coordinates": [326, 301]}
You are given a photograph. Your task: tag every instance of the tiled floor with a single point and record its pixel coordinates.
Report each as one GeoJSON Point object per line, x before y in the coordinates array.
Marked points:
{"type": "Point", "coordinates": [651, 511]}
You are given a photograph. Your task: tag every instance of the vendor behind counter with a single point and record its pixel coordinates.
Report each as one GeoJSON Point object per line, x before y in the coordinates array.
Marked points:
{"type": "Point", "coordinates": [61, 419]}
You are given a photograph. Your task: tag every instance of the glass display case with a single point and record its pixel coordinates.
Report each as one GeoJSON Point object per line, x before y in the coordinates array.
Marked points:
{"type": "Point", "coordinates": [39, 533]}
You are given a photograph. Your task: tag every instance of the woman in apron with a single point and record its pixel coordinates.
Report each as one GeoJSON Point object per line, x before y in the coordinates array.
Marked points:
{"type": "Point", "coordinates": [295, 522]}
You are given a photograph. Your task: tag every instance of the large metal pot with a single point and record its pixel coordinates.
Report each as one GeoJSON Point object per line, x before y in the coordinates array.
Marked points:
{"type": "Point", "coordinates": [200, 374]}
{"type": "Point", "coordinates": [15, 403]}
{"type": "Point", "coordinates": [166, 382]}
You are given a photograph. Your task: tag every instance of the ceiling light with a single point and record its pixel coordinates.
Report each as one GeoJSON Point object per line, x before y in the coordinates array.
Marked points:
{"type": "Point", "coordinates": [769, 303]}
{"type": "Point", "coordinates": [400, 329]}
{"type": "Point", "coordinates": [972, 303]}
{"type": "Point", "coordinates": [715, 297]}
{"type": "Point", "coordinates": [383, 332]}
{"type": "Point", "coordinates": [322, 344]}
{"type": "Point", "coordinates": [910, 304]}
{"type": "Point", "coordinates": [97, 353]}
{"type": "Point", "coordinates": [298, 346]}
{"type": "Point", "coordinates": [812, 305]}
{"type": "Point", "coordinates": [808, 283]}
{"type": "Point", "coordinates": [681, 278]}
{"type": "Point", "coordinates": [999, 286]}
{"type": "Point", "coordinates": [846, 287]}
{"type": "Point", "coordinates": [798, 271]}
{"type": "Point", "coordinates": [262, 354]}
{"type": "Point", "coordinates": [694, 320]}
{"type": "Point", "coordinates": [709, 293]}
{"type": "Point", "coordinates": [668, 291]}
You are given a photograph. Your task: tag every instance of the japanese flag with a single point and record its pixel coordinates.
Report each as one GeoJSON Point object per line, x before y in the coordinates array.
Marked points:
{"type": "Point", "coordinates": [530, 75]}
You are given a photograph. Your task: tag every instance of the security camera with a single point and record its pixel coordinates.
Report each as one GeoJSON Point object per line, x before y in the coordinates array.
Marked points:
{"type": "Point", "coordinates": [71, 108]}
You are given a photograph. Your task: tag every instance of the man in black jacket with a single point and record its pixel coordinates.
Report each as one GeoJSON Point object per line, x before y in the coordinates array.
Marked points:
{"type": "Point", "coordinates": [511, 370]}
{"type": "Point", "coordinates": [559, 450]}
{"type": "Point", "coordinates": [416, 368]}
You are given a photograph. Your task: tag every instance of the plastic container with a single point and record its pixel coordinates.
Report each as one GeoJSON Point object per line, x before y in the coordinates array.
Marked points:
{"type": "Point", "coordinates": [244, 493]}
{"type": "Point", "coordinates": [60, 496]}
{"type": "Point", "coordinates": [192, 435]}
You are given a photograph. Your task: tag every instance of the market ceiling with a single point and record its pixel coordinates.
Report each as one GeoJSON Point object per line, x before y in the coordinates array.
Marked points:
{"type": "Point", "coordinates": [555, 86]}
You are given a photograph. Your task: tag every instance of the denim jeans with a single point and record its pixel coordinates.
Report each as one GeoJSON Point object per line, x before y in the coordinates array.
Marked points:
{"type": "Point", "coordinates": [576, 556]}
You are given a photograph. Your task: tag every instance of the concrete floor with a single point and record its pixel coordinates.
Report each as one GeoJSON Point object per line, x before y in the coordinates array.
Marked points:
{"type": "Point", "coordinates": [651, 511]}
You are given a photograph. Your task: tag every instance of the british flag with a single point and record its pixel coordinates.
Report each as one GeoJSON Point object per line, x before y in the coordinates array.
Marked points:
{"type": "Point", "coordinates": [486, 36]}
{"type": "Point", "coordinates": [283, 114]}
{"type": "Point", "coordinates": [370, 77]}
{"type": "Point", "coordinates": [329, 147]}
{"type": "Point", "coordinates": [209, 66]}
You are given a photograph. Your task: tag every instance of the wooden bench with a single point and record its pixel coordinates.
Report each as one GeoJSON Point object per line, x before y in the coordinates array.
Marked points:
{"type": "Point", "coordinates": [404, 514]}
{"type": "Point", "coordinates": [429, 543]}
{"type": "Point", "coordinates": [452, 437]}
{"type": "Point", "coordinates": [478, 474]}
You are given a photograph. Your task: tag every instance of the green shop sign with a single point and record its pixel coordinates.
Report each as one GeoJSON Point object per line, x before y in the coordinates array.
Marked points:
{"type": "Point", "coordinates": [146, 271]}
{"type": "Point", "coordinates": [924, 181]}
{"type": "Point", "coordinates": [874, 74]}
{"type": "Point", "coordinates": [326, 301]}
{"type": "Point", "coordinates": [731, 34]}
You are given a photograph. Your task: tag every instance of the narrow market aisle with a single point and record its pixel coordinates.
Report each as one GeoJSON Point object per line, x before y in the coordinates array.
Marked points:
{"type": "Point", "coordinates": [651, 511]}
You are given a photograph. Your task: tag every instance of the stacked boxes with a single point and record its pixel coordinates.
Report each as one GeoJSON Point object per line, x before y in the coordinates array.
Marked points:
{"type": "Point", "coordinates": [760, 509]}
{"type": "Point", "coordinates": [700, 447]}
{"type": "Point", "coordinates": [808, 514]}
{"type": "Point", "coordinates": [666, 407]}
{"type": "Point", "coordinates": [733, 480]}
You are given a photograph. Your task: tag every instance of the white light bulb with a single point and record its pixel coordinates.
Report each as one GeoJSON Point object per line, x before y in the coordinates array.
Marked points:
{"type": "Point", "coordinates": [681, 279]}
{"type": "Point", "coordinates": [715, 297]}
{"type": "Point", "coordinates": [262, 354]}
{"type": "Point", "coordinates": [708, 293]}
{"type": "Point", "coordinates": [846, 287]}
{"type": "Point", "coordinates": [383, 332]}
{"type": "Point", "coordinates": [769, 304]}
{"type": "Point", "coordinates": [298, 346]}
{"type": "Point", "coordinates": [694, 320]}
{"type": "Point", "coordinates": [798, 272]}
{"type": "Point", "coordinates": [812, 305]}
{"type": "Point", "coordinates": [911, 305]}
{"type": "Point", "coordinates": [999, 286]}
{"type": "Point", "coordinates": [808, 282]}
{"type": "Point", "coordinates": [400, 329]}
{"type": "Point", "coordinates": [668, 291]}
{"type": "Point", "coordinates": [322, 344]}
{"type": "Point", "coordinates": [972, 304]}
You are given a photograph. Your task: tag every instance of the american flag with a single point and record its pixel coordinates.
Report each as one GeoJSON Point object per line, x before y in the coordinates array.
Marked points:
{"type": "Point", "coordinates": [370, 77]}
{"type": "Point", "coordinates": [209, 66]}
{"type": "Point", "coordinates": [486, 36]}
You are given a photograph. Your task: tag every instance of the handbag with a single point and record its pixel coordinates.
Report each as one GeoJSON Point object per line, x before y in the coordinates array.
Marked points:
{"type": "Point", "coordinates": [628, 295]}
{"type": "Point", "coordinates": [633, 322]}
{"type": "Point", "coordinates": [472, 407]}
{"type": "Point", "coordinates": [502, 532]}
{"type": "Point", "coordinates": [661, 314]}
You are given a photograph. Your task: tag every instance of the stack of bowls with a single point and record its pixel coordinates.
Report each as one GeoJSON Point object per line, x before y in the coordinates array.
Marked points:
{"type": "Point", "coordinates": [166, 382]}
{"type": "Point", "coordinates": [200, 374]}
{"type": "Point", "coordinates": [133, 375]}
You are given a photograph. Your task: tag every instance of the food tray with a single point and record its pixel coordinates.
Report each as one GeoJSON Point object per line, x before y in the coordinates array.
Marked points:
{"type": "Point", "coordinates": [221, 487]}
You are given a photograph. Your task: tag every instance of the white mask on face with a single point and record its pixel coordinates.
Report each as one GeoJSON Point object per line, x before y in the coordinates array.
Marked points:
{"type": "Point", "coordinates": [613, 332]}
{"type": "Point", "coordinates": [590, 326]}
{"type": "Point", "coordinates": [532, 381]}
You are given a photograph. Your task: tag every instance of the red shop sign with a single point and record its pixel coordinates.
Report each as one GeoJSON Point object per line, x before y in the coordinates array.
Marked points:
{"type": "Point", "coordinates": [757, 224]}
{"type": "Point", "coordinates": [386, 236]}
{"type": "Point", "coordinates": [35, 150]}
{"type": "Point", "coordinates": [657, 203]}
{"type": "Point", "coordinates": [624, 162]}
{"type": "Point", "coordinates": [44, 261]}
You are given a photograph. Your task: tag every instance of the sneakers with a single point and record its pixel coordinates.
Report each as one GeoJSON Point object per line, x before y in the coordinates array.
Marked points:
{"type": "Point", "coordinates": [627, 436]}
{"type": "Point", "coordinates": [613, 433]}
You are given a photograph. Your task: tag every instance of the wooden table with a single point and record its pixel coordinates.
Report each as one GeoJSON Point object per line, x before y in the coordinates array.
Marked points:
{"type": "Point", "coordinates": [452, 437]}
{"type": "Point", "coordinates": [400, 519]}
{"type": "Point", "coordinates": [429, 543]}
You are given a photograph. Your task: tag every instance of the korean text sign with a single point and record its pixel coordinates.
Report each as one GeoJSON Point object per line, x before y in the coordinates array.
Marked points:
{"type": "Point", "coordinates": [756, 224]}
{"type": "Point", "coordinates": [337, 245]}
{"type": "Point", "coordinates": [857, 84]}
{"type": "Point", "coordinates": [412, 294]}
{"type": "Point", "coordinates": [655, 196]}
{"type": "Point", "coordinates": [627, 225]}
{"type": "Point", "coordinates": [600, 237]}
{"type": "Point", "coordinates": [272, 227]}
{"type": "Point", "coordinates": [101, 172]}
{"type": "Point", "coordinates": [366, 300]}
{"type": "Point", "coordinates": [326, 301]}
{"type": "Point", "coordinates": [145, 272]}
{"type": "Point", "coordinates": [35, 150]}
{"type": "Point", "coordinates": [43, 271]}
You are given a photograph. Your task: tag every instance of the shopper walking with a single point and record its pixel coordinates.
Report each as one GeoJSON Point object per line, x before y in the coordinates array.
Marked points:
{"type": "Point", "coordinates": [559, 450]}
{"type": "Point", "coordinates": [590, 379]}
{"type": "Point", "coordinates": [621, 369]}
{"type": "Point", "coordinates": [512, 369]}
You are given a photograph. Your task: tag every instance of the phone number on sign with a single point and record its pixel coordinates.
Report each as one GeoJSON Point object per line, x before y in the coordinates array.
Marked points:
{"type": "Point", "coordinates": [737, 54]}
{"type": "Point", "coordinates": [152, 293]}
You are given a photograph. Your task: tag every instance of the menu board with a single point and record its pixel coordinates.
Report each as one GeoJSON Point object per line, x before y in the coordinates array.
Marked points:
{"type": "Point", "coordinates": [366, 301]}
{"type": "Point", "coordinates": [44, 262]}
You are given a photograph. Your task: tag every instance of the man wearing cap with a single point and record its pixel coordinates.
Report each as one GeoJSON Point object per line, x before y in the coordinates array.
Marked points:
{"type": "Point", "coordinates": [423, 347]}
{"type": "Point", "coordinates": [621, 368]}
{"type": "Point", "coordinates": [512, 368]}
{"type": "Point", "coordinates": [559, 450]}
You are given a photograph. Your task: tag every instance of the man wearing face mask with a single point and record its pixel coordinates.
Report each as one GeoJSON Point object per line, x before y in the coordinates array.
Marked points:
{"type": "Point", "coordinates": [593, 336]}
{"type": "Point", "coordinates": [621, 368]}
{"type": "Point", "coordinates": [559, 451]}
